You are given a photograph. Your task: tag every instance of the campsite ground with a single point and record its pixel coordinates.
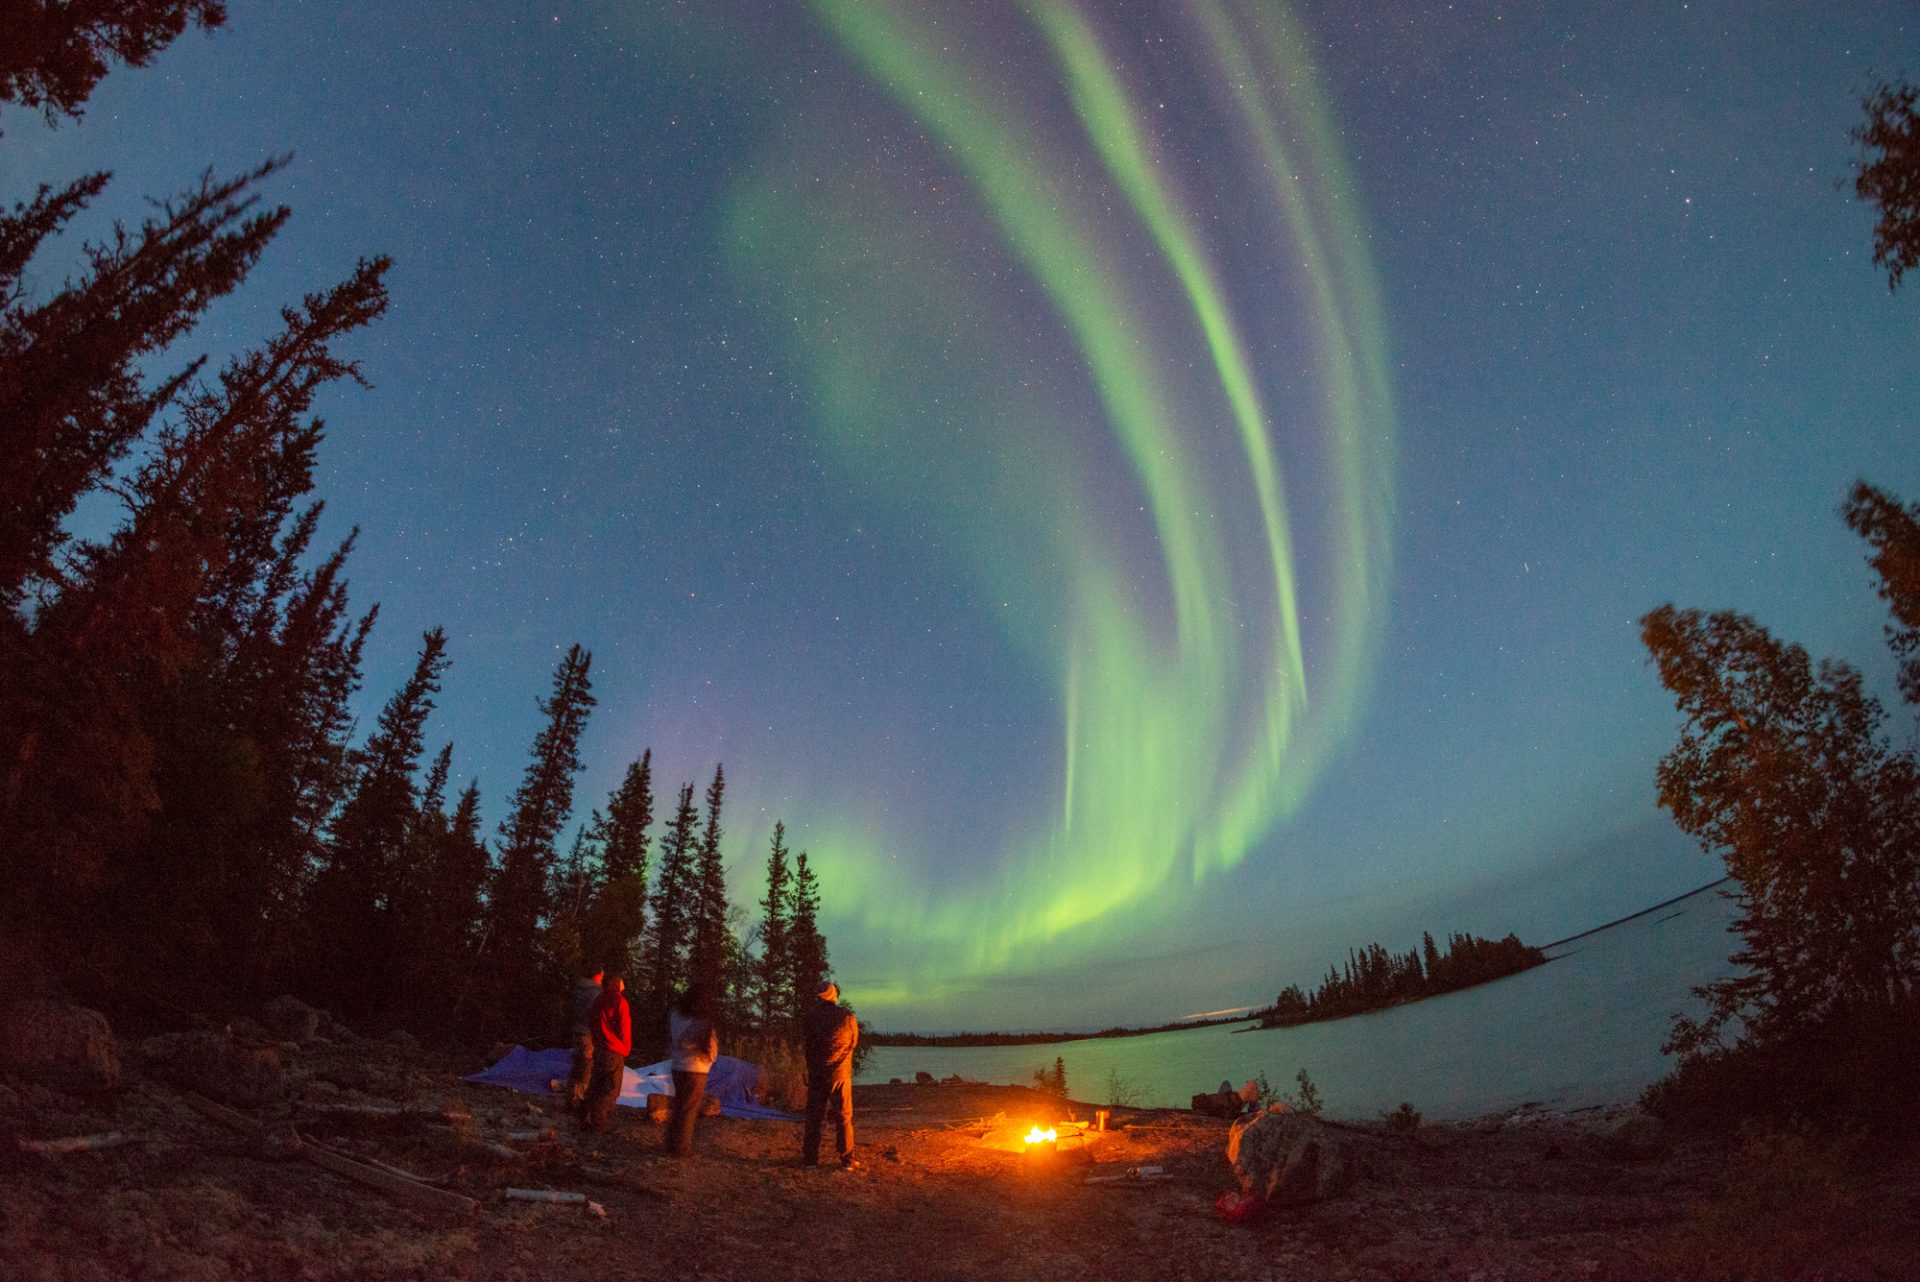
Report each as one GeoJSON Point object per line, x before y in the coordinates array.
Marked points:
{"type": "Point", "coordinates": [941, 1196]}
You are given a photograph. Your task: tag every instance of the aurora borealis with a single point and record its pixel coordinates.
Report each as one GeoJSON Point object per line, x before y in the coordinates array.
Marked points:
{"type": "Point", "coordinates": [1150, 493]}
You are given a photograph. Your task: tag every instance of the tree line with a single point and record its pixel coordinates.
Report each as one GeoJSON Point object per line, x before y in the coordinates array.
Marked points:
{"type": "Point", "coordinates": [1373, 978]}
{"type": "Point", "coordinates": [185, 820]}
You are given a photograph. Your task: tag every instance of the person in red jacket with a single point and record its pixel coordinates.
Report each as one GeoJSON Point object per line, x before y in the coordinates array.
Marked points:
{"type": "Point", "coordinates": [612, 1025]}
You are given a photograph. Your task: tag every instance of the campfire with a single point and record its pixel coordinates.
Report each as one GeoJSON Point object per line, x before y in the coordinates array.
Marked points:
{"type": "Point", "coordinates": [1038, 1136]}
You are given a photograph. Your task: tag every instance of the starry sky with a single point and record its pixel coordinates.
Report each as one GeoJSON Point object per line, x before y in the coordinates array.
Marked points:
{"type": "Point", "coordinates": [1150, 493]}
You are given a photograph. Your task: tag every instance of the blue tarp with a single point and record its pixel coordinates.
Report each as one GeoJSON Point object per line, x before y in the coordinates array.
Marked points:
{"type": "Point", "coordinates": [734, 1082]}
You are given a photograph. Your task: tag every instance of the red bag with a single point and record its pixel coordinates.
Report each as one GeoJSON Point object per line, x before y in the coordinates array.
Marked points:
{"type": "Point", "coordinates": [1236, 1207]}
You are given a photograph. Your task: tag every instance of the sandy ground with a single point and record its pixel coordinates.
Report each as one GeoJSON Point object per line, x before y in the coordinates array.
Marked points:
{"type": "Point", "coordinates": [941, 1195]}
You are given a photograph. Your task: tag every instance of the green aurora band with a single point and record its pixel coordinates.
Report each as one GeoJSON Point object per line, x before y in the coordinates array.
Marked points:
{"type": "Point", "coordinates": [1094, 386]}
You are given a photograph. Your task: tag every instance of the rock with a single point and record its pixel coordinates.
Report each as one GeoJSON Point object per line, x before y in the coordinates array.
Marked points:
{"type": "Point", "coordinates": [923, 1078]}
{"type": "Point", "coordinates": [292, 1019]}
{"type": "Point", "coordinates": [45, 1039]}
{"type": "Point", "coordinates": [217, 1066]}
{"type": "Point", "coordinates": [1291, 1158]}
{"type": "Point", "coordinates": [1635, 1137]}
{"type": "Point", "coordinates": [401, 1039]}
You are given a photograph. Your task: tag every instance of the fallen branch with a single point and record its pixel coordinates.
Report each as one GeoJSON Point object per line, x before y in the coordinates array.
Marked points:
{"type": "Point", "coordinates": [533, 1137]}
{"type": "Point", "coordinates": [554, 1197]}
{"type": "Point", "coordinates": [220, 1112]}
{"type": "Point", "coordinates": [386, 1179]}
{"type": "Point", "coordinates": [79, 1143]}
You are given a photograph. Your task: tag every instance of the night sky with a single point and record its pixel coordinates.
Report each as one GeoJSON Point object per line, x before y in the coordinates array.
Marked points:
{"type": "Point", "coordinates": [1151, 494]}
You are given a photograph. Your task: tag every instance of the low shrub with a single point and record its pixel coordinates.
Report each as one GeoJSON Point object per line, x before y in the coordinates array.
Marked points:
{"type": "Point", "coordinates": [783, 1069]}
{"type": "Point", "coordinates": [1794, 1204]}
{"type": "Point", "coordinates": [1853, 1070]}
{"type": "Point", "coordinates": [1404, 1118]}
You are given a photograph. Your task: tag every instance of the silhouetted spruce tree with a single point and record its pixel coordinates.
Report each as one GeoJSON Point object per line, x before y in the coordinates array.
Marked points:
{"type": "Point", "coordinates": [807, 947]}
{"type": "Point", "coordinates": [524, 986]}
{"type": "Point", "coordinates": [670, 931]}
{"type": "Point", "coordinates": [1894, 534]}
{"type": "Point", "coordinates": [356, 899]}
{"type": "Point", "coordinates": [1781, 771]}
{"type": "Point", "coordinates": [708, 962]}
{"type": "Point", "coordinates": [443, 951]}
{"type": "Point", "coordinates": [73, 395]}
{"type": "Point", "coordinates": [134, 658]}
{"type": "Point", "coordinates": [1887, 175]}
{"type": "Point", "coordinates": [616, 920]}
{"type": "Point", "coordinates": [53, 52]}
{"type": "Point", "coordinates": [772, 981]}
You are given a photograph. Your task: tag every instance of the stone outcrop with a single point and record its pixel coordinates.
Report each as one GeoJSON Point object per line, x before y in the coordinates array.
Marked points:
{"type": "Point", "coordinates": [1291, 1158]}
{"type": "Point", "coordinates": [291, 1019]}
{"type": "Point", "coordinates": [217, 1065]}
{"type": "Point", "coordinates": [57, 1043]}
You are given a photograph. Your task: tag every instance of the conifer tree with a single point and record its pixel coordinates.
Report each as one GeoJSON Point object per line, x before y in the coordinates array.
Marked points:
{"type": "Point", "coordinates": [355, 893]}
{"type": "Point", "coordinates": [54, 53]}
{"type": "Point", "coordinates": [612, 931]}
{"type": "Point", "coordinates": [73, 397]}
{"type": "Point", "coordinates": [670, 930]}
{"type": "Point", "coordinates": [775, 965]}
{"type": "Point", "coordinates": [134, 658]}
{"type": "Point", "coordinates": [710, 933]}
{"type": "Point", "coordinates": [518, 901]}
{"type": "Point", "coordinates": [807, 948]}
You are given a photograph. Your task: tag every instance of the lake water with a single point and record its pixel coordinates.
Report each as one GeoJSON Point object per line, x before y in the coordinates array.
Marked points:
{"type": "Point", "coordinates": [1584, 1029]}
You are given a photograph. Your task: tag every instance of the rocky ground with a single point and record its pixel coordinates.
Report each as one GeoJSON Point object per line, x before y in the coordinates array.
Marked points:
{"type": "Point", "coordinates": [945, 1193]}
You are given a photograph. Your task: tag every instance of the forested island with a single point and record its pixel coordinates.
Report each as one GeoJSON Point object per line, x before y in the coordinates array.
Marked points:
{"type": "Point", "coordinates": [1374, 979]}
{"type": "Point", "coordinates": [1036, 1039]}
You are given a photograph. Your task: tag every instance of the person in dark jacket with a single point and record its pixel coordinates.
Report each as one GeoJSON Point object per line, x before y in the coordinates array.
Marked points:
{"type": "Point", "coordinates": [693, 1044]}
{"type": "Point", "coordinates": [612, 1040]}
{"type": "Point", "coordinates": [586, 991]}
{"type": "Point", "coordinates": [830, 1033]}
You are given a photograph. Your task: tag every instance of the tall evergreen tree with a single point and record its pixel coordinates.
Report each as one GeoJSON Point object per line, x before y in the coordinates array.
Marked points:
{"type": "Point", "coordinates": [355, 893]}
{"type": "Point", "coordinates": [135, 659]}
{"type": "Point", "coordinates": [611, 933]}
{"type": "Point", "coordinates": [710, 934]}
{"type": "Point", "coordinates": [54, 53]}
{"type": "Point", "coordinates": [518, 900]}
{"type": "Point", "coordinates": [807, 947]}
{"type": "Point", "coordinates": [775, 966]}
{"type": "Point", "coordinates": [73, 395]}
{"type": "Point", "coordinates": [670, 930]}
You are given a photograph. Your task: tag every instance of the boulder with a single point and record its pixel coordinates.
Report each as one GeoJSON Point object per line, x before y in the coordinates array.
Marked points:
{"type": "Point", "coordinates": [401, 1039]}
{"type": "Point", "coordinates": [291, 1019]}
{"type": "Point", "coordinates": [45, 1039]}
{"type": "Point", "coordinates": [1290, 1158]}
{"type": "Point", "coordinates": [216, 1065]}
{"type": "Point", "coordinates": [1635, 1137]}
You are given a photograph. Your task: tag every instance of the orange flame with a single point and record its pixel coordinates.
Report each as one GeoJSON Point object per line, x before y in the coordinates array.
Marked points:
{"type": "Point", "coordinates": [1038, 1136]}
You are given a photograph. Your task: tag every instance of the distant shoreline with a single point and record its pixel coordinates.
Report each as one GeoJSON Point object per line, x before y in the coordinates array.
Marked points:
{"type": "Point", "coordinates": [1251, 1018]}
{"type": "Point", "coordinates": [1653, 908]}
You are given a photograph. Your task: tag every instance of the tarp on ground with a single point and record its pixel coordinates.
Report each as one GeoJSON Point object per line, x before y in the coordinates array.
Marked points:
{"type": "Point", "coordinates": [734, 1082]}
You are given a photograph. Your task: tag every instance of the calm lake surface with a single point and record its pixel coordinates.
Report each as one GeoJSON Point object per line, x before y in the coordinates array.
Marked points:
{"type": "Point", "coordinates": [1584, 1029]}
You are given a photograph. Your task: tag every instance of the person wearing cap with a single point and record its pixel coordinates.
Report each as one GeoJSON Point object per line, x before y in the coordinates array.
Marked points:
{"type": "Point", "coordinates": [586, 991]}
{"type": "Point", "coordinates": [830, 1032]}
